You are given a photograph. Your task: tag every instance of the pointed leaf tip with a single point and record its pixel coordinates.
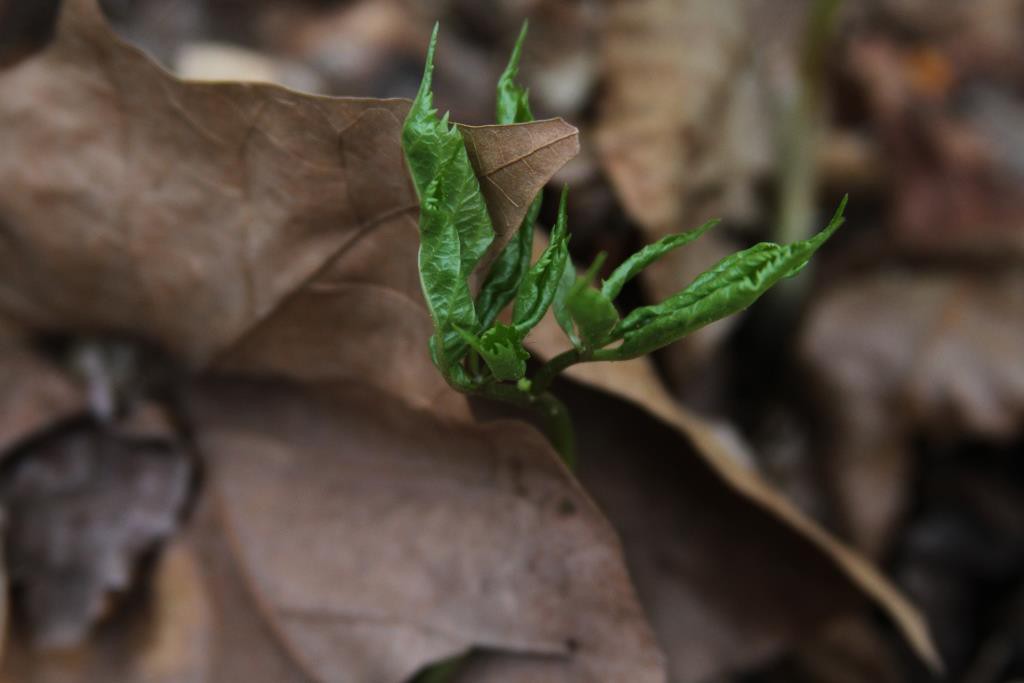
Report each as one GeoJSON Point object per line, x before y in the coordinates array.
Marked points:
{"type": "Point", "coordinates": [632, 266]}
{"type": "Point", "coordinates": [428, 66]}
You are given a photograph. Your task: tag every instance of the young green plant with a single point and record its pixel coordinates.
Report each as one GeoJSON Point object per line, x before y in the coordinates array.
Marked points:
{"type": "Point", "coordinates": [474, 351]}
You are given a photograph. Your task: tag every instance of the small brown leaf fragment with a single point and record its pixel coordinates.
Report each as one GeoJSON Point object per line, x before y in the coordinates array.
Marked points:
{"type": "Point", "coordinates": [667, 65]}
{"type": "Point", "coordinates": [379, 539]}
{"type": "Point", "coordinates": [513, 164]}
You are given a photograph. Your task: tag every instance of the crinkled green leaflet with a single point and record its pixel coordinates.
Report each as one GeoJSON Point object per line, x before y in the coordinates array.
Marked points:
{"type": "Point", "coordinates": [590, 311]}
{"type": "Point", "coordinates": [455, 228]}
{"type": "Point", "coordinates": [501, 347]}
{"type": "Point", "coordinates": [537, 290]}
{"type": "Point", "coordinates": [560, 304]}
{"type": "Point", "coordinates": [455, 232]}
{"type": "Point", "coordinates": [591, 316]}
{"type": "Point", "coordinates": [732, 285]}
{"type": "Point", "coordinates": [595, 317]}
{"type": "Point", "coordinates": [632, 266]}
{"type": "Point", "coordinates": [508, 270]}
{"type": "Point", "coordinates": [513, 104]}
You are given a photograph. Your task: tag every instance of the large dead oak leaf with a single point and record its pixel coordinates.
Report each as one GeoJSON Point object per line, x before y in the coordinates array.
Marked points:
{"type": "Point", "coordinates": [233, 196]}
{"type": "Point", "coordinates": [377, 538]}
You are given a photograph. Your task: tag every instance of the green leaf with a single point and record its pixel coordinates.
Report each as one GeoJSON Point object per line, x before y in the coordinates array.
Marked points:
{"type": "Point", "coordinates": [501, 347]}
{"type": "Point", "coordinates": [648, 255]}
{"type": "Point", "coordinates": [443, 672]}
{"type": "Point", "coordinates": [560, 304]}
{"type": "Point", "coordinates": [444, 286]}
{"type": "Point", "coordinates": [505, 276]}
{"type": "Point", "coordinates": [455, 229]}
{"type": "Point", "coordinates": [595, 316]}
{"type": "Point", "coordinates": [508, 271]}
{"type": "Point", "coordinates": [513, 104]}
{"type": "Point", "coordinates": [729, 287]}
{"type": "Point", "coordinates": [541, 282]}
{"type": "Point", "coordinates": [588, 277]}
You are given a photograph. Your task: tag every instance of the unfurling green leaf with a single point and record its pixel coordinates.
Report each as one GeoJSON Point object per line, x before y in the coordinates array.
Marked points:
{"type": "Point", "coordinates": [501, 347]}
{"type": "Point", "coordinates": [455, 229]}
{"type": "Point", "coordinates": [560, 304]}
{"type": "Point", "coordinates": [444, 287]}
{"type": "Point", "coordinates": [505, 276]}
{"type": "Point", "coordinates": [588, 277]}
{"type": "Point", "coordinates": [594, 314]}
{"type": "Point", "coordinates": [541, 282]}
{"type": "Point", "coordinates": [729, 287]}
{"type": "Point", "coordinates": [648, 255]}
{"type": "Point", "coordinates": [513, 100]}
{"type": "Point", "coordinates": [508, 271]}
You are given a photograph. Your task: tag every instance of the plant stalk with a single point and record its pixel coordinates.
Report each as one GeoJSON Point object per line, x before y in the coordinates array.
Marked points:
{"type": "Point", "coordinates": [553, 413]}
{"type": "Point", "coordinates": [545, 377]}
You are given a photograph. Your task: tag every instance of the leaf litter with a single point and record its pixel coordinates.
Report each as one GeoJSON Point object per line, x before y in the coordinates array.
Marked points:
{"type": "Point", "coordinates": [261, 253]}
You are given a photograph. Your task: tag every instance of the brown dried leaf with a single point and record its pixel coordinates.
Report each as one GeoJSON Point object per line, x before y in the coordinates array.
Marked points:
{"type": "Point", "coordinates": [726, 583]}
{"type": "Point", "coordinates": [188, 213]}
{"type": "Point", "coordinates": [667, 66]}
{"type": "Point", "coordinates": [939, 353]}
{"type": "Point", "coordinates": [365, 305]}
{"type": "Point", "coordinates": [202, 183]}
{"type": "Point", "coordinates": [378, 539]}
{"type": "Point", "coordinates": [801, 559]}
{"type": "Point", "coordinates": [507, 177]}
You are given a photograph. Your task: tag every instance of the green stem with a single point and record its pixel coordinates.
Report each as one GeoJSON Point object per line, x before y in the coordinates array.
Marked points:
{"type": "Point", "coordinates": [558, 426]}
{"type": "Point", "coordinates": [608, 354]}
{"type": "Point", "coordinates": [553, 413]}
{"type": "Point", "coordinates": [802, 122]}
{"type": "Point", "coordinates": [544, 378]}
